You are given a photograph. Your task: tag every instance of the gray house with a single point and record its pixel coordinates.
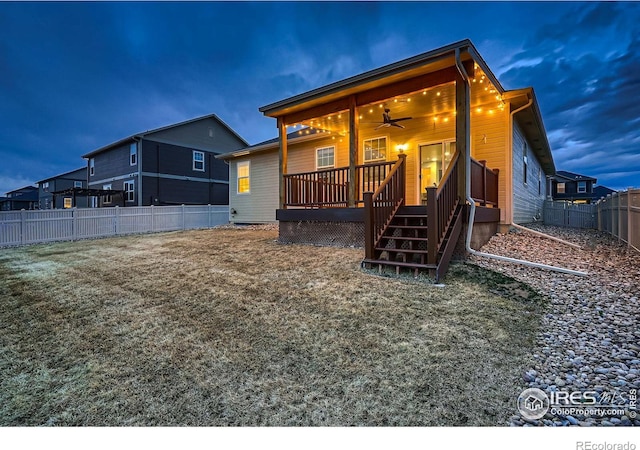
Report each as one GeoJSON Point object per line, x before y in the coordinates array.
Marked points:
{"type": "Point", "coordinates": [171, 165]}
{"type": "Point", "coordinates": [50, 190]}
{"type": "Point", "coordinates": [23, 198]}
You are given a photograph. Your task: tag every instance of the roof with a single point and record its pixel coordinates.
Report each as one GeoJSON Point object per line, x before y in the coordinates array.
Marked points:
{"type": "Point", "coordinates": [63, 175]}
{"type": "Point", "coordinates": [602, 191]}
{"type": "Point", "coordinates": [404, 69]}
{"type": "Point", "coordinates": [570, 176]}
{"type": "Point", "coordinates": [301, 135]}
{"type": "Point", "coordinates": [156, 130]}
{"type": "Point", "coordinates": [23, 190]}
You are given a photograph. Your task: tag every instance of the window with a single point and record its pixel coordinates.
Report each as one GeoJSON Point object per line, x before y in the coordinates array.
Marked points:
{"type": "Point", "coordinates": [539, 182]}
{"type": "Point", "coordinates": [92, 168]}
{"type": "Point", "coordinates": [244, 185]}
{"type": "Point", "coordinates": [325, 158]}
{"type": "Point", "coordinates": [524, 161]}
{"type": "Point", "coordinates": [133, 154]}
{"type": "Point", "coordinates": [582, 187]}
{"type": "Point", "coordinates": [561, 188]}
{"type": "Point", "coordinates": [107, 199]}
{"type": "Point", "coordinates": [129, 191]}
{"type": "Point", "coordinates": [77, 184]}
{"type": "Point", "coordinates": [375, 149]}
{"type": "Point", "coordinates": [45, 187]}
{"type": "Point", "coordinates": [67, 202]}
{"type": "Point", "coordinates": [198, 161]}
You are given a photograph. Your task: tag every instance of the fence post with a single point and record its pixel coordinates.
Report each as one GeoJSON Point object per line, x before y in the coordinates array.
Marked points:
{"type": "Point", "coordinates": [629, 218]}
{"type": "Point", "coordinates": [153, 219]}
{"type": "Point", "coordinates": [117, 220]}
{"type": "Point", "coordinates": [23, 227]}
{"type": "Point", "coordinates": [184, 222]}
{"type": "Point", "coordinates": [209, 215]}
{"type": "Point", "coordinates": [74, 223]}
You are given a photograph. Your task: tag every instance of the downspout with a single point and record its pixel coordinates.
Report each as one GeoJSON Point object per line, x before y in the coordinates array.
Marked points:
{"type": "Point", "coordinates": [472, 203]}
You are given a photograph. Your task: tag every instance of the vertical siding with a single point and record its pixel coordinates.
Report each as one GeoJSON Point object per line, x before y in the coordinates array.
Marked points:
{"type": "Point", "coordinates": [259, 205]}
{"type": "Point", "coordinates": [528, 204]}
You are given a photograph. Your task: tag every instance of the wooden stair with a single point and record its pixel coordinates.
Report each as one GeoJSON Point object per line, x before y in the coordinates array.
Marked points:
{"type": "Point", "coordinates": [404, 243]}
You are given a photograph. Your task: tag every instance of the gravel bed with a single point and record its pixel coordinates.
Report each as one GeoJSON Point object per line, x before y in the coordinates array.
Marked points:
{"type": "Point", "coordinates": [589, 339]}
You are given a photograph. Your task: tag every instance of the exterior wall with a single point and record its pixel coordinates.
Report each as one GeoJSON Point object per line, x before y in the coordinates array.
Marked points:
{"type": "Point", "coordinates": [528, 198]}
{"type": "Point", "coordinates": [260, 204]}
{"type": "Point", "coordinates": [169, 191]}
{"type": "Point", "coordinates": [206, 134]}
{"type": "Point", "coordinates": [111, 166]}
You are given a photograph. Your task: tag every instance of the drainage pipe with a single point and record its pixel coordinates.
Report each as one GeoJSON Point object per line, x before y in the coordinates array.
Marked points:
{"type": "Point", "coordinates": [471, 201]}
{"type": "Point", "coordinates": [546, 236]}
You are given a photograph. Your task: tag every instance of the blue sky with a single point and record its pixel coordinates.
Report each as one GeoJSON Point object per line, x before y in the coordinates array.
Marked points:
{"type": "Point", "coordinates": [77, 76]}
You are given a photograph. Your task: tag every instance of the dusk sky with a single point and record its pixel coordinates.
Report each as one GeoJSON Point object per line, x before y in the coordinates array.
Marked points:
{"type": "Point", "coordinates": [77, 76]}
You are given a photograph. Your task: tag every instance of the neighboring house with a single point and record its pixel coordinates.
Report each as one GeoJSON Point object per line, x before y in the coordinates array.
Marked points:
{"type": "Point", "coordinates": [573, 187]}
{"type": "Point", "coordinates": [399, 130]}
{"type": "Point", "coordinates": [171, 165]}
{"type": "Point", "coordinates": [23, 198]}
{"type": "Point", "coordinates": [58, 192]}
{"type": "Point", "coordinates": [602, 191]}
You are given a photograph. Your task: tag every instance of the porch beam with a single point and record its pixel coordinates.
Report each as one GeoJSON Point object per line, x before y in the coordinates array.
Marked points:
{"type": "Point", "coordinates": [354, 124]}
{"type": "Point", "coordinates": [282, 160]}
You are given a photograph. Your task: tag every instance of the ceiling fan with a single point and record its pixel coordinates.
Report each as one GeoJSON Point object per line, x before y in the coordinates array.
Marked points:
{"type": "Point", "coordinates": [387, 121]}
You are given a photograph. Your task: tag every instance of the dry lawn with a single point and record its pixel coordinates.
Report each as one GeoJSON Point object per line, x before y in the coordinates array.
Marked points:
{"type": "Point", "coordinates": [228, 327]}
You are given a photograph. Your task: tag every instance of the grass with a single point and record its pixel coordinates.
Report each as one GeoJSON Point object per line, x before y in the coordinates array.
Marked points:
{"type": "Point", "coordinates": [227, 327]}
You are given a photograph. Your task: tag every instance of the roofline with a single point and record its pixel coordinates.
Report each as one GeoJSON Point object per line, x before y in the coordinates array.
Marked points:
{"type": "Point", "coordinates": [583, 177]}
{"type": "Point", "coordinates": [268, 145]}
{"type": "Point", "coordinates": [141, 135]}
{"type": "Point", "coordinates": [62, 174]}
{"type": "Point", "coordinates": [383, 72]}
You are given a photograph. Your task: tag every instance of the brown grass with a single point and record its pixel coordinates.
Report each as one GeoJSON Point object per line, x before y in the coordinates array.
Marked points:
{"type": "Point", "coordinates": [227, 327]}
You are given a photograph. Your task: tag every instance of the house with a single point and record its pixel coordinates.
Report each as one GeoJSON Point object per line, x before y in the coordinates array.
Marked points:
{"type": "Point", "coordinates": [171, 165]}
{"type": "Point", "coordinates": [380, 160]}
{"type": "Point", "coordinates": [23, 198]}
{"type": "Point", "coordinates": [58, 192]}
{"type": "Point", "coordinates": [573, 187]}
{"type": "Point", "coordinates": [602, 192]}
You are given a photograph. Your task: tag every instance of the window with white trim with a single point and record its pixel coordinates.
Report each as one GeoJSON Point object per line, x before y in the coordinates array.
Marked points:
{"type": "Point", "coordinates": [133, 154]}
{"type": "Point", "coordinates": [107, 199]}
{"type": "Point", "coordinates": [375, 149]}
{"type": "Point", "coordinates": [582, 187]}
{"type": "Point", "coordinates": [129, 191]}
{"type": "Point", "coordinates": [77, 184]}
{"type": "Point", "coordinates": [561, 188]}
{"type": "Point", "coordinates": [198, 161]}
{"type": "Point", "coordinates": [45, 187]}
{"type": "Point", "coordinates": [244, 179]}
{"type": "Point", "coordinates": [325, 158]}
{"type": "Point", "coordinates": [92, 166]}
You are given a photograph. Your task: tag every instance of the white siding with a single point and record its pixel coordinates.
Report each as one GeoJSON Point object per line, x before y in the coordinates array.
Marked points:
{"type": "Point", "coordinates": [260, 204]}
{"type": "Point", "coordinates": [528, 201]}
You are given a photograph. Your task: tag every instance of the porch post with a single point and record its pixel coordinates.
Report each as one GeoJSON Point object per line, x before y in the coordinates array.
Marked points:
{"type": "Point", "coordinates": [282, 161]}
{"type": "Point", "coordinates": [353, 151]}
{"type": "Point", "coordinates": [462, 130]}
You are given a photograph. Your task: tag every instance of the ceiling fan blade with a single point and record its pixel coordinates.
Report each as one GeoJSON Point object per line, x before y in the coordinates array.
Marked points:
{"type": "Point", "coordinates": [402, 118]}
{"type": "Point", "coordinates": [396, 125]}
{"type": "Point", "coordinates": [381, 126]}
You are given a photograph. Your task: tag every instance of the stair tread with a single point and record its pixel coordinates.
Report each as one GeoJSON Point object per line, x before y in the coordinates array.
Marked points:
{"type": "Point", "coordinates": [411, 216]}
{"type": "Point", "coordinates": [400, 263]}
{"type": "Point", "coordinates": [407, 227]}
{"type": "Point", "coordinates": [402, 250]}
{"type": "Point", "coordinates": [405, 238]}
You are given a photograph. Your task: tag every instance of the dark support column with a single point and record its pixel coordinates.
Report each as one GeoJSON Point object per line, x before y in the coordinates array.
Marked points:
{"type": "Point", "coordinates": [462, 130]}
{"type": "Point", "coordinates": [353, 151]}
{"type": "Point", "coordinates": [368, 225]}
{"type": "Point", "coordinates": [282, 162]}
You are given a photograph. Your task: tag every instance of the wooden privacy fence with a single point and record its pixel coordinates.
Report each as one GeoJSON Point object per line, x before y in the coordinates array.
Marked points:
{"type": "Point", "coordinates": [619, 215]}
{"type": "Point", "coordinates": [565, 214]}
{"type": "Point", "coordinates": [33, 227]}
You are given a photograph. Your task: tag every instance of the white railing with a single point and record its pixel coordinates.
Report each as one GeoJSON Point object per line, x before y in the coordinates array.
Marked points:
{"type": "Point", "coordinates": [33, 227]}
{"type": "Point", "coordinates": [619, 215]}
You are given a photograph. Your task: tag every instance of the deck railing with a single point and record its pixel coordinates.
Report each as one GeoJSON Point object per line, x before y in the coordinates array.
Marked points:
{"type": "Point", "coordinates": [484, 183]}
{"type": "Point", "coordinates": [381, 205]}
{"type": "Point", "coordinates": [330, 187]}
{"type": "Point", "coordinates": [442, 202]}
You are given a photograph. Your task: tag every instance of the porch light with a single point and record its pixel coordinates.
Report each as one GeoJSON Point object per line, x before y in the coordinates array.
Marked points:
{"type": "Point", "coordinates": [401, 148]}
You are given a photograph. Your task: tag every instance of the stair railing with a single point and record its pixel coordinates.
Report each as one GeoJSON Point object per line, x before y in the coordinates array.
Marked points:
{"type": "Point", "coordinates": [380, 206]}
{"type": "Point", "coordinates": [442, 202]}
